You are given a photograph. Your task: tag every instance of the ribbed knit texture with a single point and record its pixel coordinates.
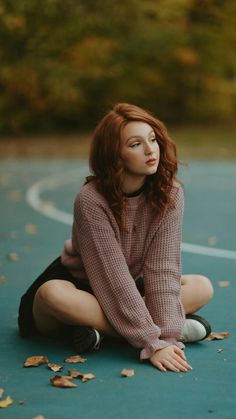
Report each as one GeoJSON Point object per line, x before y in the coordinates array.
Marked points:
{"type": "Point", "coordinates": [111, 260]}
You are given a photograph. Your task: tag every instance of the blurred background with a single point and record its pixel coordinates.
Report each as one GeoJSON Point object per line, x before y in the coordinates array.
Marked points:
{"type": "Point", "coordinates": [64, 63]}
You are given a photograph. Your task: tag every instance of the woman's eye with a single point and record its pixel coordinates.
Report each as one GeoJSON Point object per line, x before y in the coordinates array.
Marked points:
{"type": "Point", "coordinates": [153, 139]}
{"type": "Point", "coordinates": [134, 145]}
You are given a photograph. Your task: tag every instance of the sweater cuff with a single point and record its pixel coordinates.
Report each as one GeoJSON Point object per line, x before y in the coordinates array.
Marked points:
{"type": "Point", "coordinates": [147, 352]}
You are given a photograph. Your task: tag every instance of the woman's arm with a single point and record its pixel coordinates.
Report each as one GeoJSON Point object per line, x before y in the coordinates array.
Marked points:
{"type": "Point", "coordinates": [162, 272]}
{"type": "Point", "coordinates": [109, 276]}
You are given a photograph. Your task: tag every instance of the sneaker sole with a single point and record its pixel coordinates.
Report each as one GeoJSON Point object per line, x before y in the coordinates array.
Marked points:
{"type": "Point", "coordinates": [203, 321]}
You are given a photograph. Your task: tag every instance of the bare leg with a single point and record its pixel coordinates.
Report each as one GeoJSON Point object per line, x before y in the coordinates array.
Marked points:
{"type": "Point", "coordinates": [58, 302]}
{"type": "Point", "coordinates": [196, 291]}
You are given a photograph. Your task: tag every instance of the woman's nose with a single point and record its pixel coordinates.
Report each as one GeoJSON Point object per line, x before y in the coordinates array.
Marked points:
{"type": "Point", "coordinates": [148, 149]}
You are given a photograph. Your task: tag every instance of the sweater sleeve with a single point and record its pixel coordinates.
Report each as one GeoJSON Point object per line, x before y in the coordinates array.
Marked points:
{"type": "Point", "coordinates": [109, 276]}
{"type": "Point", "coordinates": [162, 273]}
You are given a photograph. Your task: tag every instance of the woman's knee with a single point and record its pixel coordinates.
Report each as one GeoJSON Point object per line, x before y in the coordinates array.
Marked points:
{"type": "Point", "coordinates": [196, 292]}
{"type": "Point", "coordinates": [200, 283]}
{"type": "Point", "coordinates": [50, 294]}
{"type": "Point", "coordinates": [206, 287]}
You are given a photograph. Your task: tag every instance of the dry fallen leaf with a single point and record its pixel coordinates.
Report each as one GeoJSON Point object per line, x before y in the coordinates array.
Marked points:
{"type": "Point", "coordinates": [7, 402]}
{"type": "Point", "coordinates": [224, 284]}
{"type": "Point", "coordinates": [88, 376]}
{"type": "Point", "coordinates": [74, 359]}
{"type": "Point", "coordinates": [46, 205]}
{"type": "Point", "coordinates": [2, 279]}
{"type": "Point", "coordinates": [80, 375]}
{"type": "Point", "coordinates": [212, 241]}
{"type": "Point", "coordinates": [1, 392]}
{"type": "Point", "coordinates": [62, 381]}
{"type": "Point", "coordinates": [31, 229]}
{"type": "Point", "coordinates": [75, 374]}
{"type": "Point", "coordinates": [35, 361]}
{"type": "Point", "coordinates": [39, 417]}
{"type": "Point", "coordinates": [127, 372]}
{"type": "Point", "coordinates": [13, 257]}
{"type": "Point", "coordinates": [217, 335]}
{"type": "Point", "coordinates": [55, 367]}
{"type": "Point", "coordinates": [14, 196]}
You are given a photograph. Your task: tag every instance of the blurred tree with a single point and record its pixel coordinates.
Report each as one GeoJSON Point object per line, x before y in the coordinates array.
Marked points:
{"type": "Point", "coordinates": [64, 63]}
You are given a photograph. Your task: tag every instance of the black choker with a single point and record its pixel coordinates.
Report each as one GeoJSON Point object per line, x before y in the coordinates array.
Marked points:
{"type": "Point", "coordinates": [135, 193]}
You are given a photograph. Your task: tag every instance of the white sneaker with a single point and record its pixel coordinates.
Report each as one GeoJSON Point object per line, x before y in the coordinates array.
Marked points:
{"type": "Point", "coordinates": [195, 329]}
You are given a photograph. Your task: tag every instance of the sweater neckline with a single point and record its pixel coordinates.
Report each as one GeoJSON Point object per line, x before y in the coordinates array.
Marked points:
{"type": "Point", "coordinates": [135, 193]}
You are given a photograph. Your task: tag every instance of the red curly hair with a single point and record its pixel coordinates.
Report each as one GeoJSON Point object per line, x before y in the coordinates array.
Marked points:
{"type": "Point", "coordinates": [107, 167]}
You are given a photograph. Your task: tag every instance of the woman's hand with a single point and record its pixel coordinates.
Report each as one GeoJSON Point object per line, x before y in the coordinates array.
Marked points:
{"type": "Point", "coordinates": [170, 358]}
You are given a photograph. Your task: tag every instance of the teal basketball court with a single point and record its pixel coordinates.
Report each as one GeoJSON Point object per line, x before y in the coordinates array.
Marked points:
{"type": "Point", "coordinates": [36, 214]}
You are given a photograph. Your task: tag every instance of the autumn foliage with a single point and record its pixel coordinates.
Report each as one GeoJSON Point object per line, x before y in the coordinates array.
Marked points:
{"type": "Point", "coordinates": [64, 63]}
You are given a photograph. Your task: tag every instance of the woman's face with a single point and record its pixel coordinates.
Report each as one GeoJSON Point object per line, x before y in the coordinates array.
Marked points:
{"type": "Point", "coordinates": [139, 152]}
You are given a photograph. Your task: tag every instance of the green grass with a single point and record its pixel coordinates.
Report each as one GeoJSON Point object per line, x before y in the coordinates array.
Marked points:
{"type": "Point", "coordinates": [208, 142]}
{"type": "Point", "coordinates": [214, 143]}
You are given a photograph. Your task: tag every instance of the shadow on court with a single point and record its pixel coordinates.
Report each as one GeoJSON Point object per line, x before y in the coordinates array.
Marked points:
{"type": "Point", "coordinates": [36, 207]}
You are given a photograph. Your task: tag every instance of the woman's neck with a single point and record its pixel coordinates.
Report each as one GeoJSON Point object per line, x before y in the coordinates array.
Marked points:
{"type": "Point", "coordinates": [135, 193]}
{"type": "Point", "coordinates": [132, 184]}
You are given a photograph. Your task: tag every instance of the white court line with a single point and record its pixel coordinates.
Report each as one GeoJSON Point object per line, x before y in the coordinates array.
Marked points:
{"type": "Point", "coordinates": [48, 210]}
{"type": "Point", "coordinates": [208, 251]}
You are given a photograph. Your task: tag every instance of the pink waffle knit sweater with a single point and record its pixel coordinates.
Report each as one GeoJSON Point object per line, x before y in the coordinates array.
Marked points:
{"type": "Point", "coordinates": [111, 260]}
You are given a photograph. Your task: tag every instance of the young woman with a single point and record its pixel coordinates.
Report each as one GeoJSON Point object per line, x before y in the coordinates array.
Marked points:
{"type": "Point", "coordinates": [120, 274]}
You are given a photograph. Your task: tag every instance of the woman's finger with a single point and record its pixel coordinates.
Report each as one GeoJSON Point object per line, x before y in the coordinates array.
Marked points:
{"type": "Point", "coordinates": [177, 362]}
{"type": "Point", "coordinates": [171, 366]}
{"type": "Point", "coordinates": [183, 363]}
{"type": "Point", "coordinates": [180, 352]}
{"type": "Point", "coordinates": [160, 367]}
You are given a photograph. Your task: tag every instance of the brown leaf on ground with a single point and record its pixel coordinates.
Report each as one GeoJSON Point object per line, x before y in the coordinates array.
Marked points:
{"type": "Point", "coordinates": [74, 359]}
{"type": "Point", "coordinates": [1, 392]}
{"type": "Point", "coordinates": [31, 229]}
{"type": "Point", "coordinates": [88, 376]}
{"type": "Point", "coordinates": [81, 376]}
{"type": "Point", "coordinates": [224, 284]}
{"type": "Point", "coordinates": [35, 361]}
{"type": "Point", "coordinates": [75, 374]}
{"type": "Point", "coordinates": [212, 241]}
{"type": "Point", "coordinates": [2, 279]}
{"type": "Point", "coordinates": [39, 417]}
{"type": "Point", "coordinates": [62, 381]}
{"type": "Point", "coordinates": [7, 402]}
{"type": "Point", "coordinates": [13, 257]}
{"type": "Point", "coordinates": [14, 196]}
{"type": "Point", "coordinates": [127, 372]}
{"type": "Point", "coordinates": [46, 205]}
{"type": "Point", "coordinates": [217, 336]}
{"type": "Point", "coordinates": [55, 367]}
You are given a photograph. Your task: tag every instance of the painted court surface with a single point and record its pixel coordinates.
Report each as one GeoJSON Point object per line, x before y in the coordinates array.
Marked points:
{"type": "Point", "coordinates": [36, 206]}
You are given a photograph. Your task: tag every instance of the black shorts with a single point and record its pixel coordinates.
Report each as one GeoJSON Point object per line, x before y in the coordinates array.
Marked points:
{"type": "Point", "coordinates": [55, 270]}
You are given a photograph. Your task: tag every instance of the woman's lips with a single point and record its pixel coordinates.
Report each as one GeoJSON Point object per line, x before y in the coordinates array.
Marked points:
{"type": "Point", "coordinates": [151, 162]}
